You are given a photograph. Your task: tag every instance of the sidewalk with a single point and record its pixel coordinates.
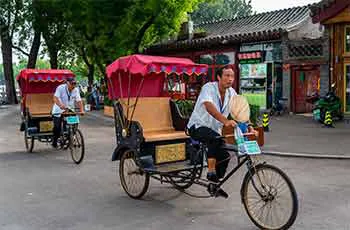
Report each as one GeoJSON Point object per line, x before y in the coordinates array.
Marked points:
{"type": "Point", "coordinates": [296, 135]}
{"type": "Point", "coordinates": [299, 135]}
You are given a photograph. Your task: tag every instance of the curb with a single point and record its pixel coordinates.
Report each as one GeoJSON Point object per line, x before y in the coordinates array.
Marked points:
{"type": "Point", "coordinates": [306, 155]}
{"type": "Point", "coordinates": [268, 152]}
{"type": "Point", "coordinates": [99, 116]}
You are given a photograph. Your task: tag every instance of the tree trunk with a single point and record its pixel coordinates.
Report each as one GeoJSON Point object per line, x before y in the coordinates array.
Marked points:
{"type": "Point", "coordinates": [91, 67]}
{"type": "Point", "coordinates": [6, 48]}
{"type": "Point", "coordinates": [33, 55]}
{"type": "Point", "coordinates": [91, 74]}
{"type": "Point", "coordinates": [53, 58]}
{"type": "Point", "coordinates": [141, 33]}
{"type": "Point", "coordinates": [102, 70]}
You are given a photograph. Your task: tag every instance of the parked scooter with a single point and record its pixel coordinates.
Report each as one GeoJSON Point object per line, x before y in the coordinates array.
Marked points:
{"type": "Point", "coordinates": [329, 103]}
{"type": "Point", "coordinates": [279, 107]}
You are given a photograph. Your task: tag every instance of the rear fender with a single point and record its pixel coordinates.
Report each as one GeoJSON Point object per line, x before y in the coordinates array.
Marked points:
{"type": "Point", "coordinates": [119, 151]}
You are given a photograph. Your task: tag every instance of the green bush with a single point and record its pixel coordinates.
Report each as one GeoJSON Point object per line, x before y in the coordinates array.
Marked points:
{"type": "Point", "coordinates": [107, 101]}
{"type": "Point", "coordinates": [254, 114]}
{"type": "Point", "coordinates": [186, 107]}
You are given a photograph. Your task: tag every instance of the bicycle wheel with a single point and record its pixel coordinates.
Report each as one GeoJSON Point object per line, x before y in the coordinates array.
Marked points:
{"type": "Point", "coordinates": [76, 146]}
{"type": "Point", "coordinates": [29, 142]}
{"type": "Point", "coordinates": [269, 197]}
{"type": "Point", "coordinates": [134, 180]}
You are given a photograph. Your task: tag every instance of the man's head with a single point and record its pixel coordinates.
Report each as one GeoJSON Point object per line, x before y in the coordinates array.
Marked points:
{"type": "Point", "coordinates": [225, 76]}
{"type": "Point", "coordinates": [71, 83]}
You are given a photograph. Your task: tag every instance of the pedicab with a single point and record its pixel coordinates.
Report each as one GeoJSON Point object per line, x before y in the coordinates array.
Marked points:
{"type": "Point", "coordinates": [147, 145]}
{"type": "Point", "coordinates": [37, 89]}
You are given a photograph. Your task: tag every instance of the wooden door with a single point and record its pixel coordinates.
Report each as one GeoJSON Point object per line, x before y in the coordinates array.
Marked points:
{"type": "Point", "coordinates": [306, 84]}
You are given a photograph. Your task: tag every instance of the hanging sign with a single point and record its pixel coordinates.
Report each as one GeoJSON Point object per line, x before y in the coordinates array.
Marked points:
{"type": "Point", "coordinates": [251, 57]}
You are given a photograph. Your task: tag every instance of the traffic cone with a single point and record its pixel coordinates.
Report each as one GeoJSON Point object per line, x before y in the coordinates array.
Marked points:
{"type": "Point", "coordinates": [328, 122]}
{"type": "Point", "coordinates": [265, 122]}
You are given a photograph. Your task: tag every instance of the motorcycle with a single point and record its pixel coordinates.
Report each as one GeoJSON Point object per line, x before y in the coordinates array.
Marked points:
{"type": "Point", "coordinates": [329, 103]}
{"type": "Point", "coordinates": [279, 107]}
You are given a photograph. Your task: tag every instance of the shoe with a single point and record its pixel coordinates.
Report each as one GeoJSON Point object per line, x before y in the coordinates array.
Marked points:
{"type": "Point", "coordinates": [213, 177]}
{"type": "Point", "coordinates": [221, 193]}
{"type": "Point", "coordinates": [216, 191]}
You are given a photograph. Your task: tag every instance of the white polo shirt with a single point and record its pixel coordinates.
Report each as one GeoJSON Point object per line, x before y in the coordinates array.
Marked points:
{"type": "Point", "coordinates": [67, 98]}
{"type": "Point", "coordinates": [200, 116]}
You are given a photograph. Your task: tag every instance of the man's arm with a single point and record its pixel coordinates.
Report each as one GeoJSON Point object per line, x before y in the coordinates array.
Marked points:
{"type": "Point", "coordinates": [81, 106]}
{"type": "Point", "coordinates": [217, 115]}
{"type": "Point", "coordinates": [79, 101]}
{"type": "Point", "coordinates": [58, 102]}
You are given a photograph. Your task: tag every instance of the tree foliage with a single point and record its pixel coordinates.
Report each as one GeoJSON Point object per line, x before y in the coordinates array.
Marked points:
{"type": "Point", "coordinates": [221, 9]}
{"type": "Point", "coordinates": [10, 18]}
{"type": "Point", "coordinates": [87, 35]}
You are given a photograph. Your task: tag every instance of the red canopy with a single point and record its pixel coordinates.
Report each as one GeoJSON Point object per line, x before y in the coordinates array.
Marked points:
{"type": "Point", "coordinates": [153, 68]}
{"type": "Point", "coordinates": [43, 80]}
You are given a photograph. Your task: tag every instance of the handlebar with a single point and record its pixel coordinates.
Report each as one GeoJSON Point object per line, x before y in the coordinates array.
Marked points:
{"type": "Point", "coordinates": [65, 114]}
{"type": "Point", "coordinates": [232, 135]}
{"type": "Point", "coordinates": [68, 113]}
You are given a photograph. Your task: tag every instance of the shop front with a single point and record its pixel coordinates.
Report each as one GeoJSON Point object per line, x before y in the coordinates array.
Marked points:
{"type": "Point", "coordinates": [334, 15]}
{"type": "Point", "coordinates": [306, 83]}
{"type": "Point", "coordinates": [260, 73]}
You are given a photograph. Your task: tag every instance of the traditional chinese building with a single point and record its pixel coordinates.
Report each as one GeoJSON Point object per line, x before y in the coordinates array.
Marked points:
{"type": "Point", "coordinates": [335, 16]}
{"type": "Point", "coordinates": [276, 54]}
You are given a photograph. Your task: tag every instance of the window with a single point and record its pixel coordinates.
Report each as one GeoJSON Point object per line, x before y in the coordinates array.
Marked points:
{"type": "Point", "coordinates": [216, 60]}
{"type": "Point", "coordinates": [347, 39]}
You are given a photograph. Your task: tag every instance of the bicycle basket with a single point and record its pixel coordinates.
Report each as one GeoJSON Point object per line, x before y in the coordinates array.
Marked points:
{"type": "Point", "coordinates": [71, 120]}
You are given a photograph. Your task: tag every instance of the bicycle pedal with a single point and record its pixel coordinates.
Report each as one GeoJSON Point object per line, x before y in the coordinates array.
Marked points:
{"type": "Point", "coordinates": [212, 189]}
{"type": "Point", "coordinates": [216, 191]}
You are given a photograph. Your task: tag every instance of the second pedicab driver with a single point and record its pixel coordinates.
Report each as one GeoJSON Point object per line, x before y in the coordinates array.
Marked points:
{"type": "Point", "coordinates": [66, 96]}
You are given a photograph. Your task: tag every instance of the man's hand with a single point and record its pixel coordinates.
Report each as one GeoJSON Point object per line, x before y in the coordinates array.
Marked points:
{"type": "Point", "coordinates": [62, 107]}
{"type": "Point", "coordinates": [252, 130]}
{"type": "Point", "coordinates": [230, 123]}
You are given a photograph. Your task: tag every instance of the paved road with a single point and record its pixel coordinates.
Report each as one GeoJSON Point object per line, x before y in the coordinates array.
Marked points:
{"type": "Point", "coordinates": [45, 190]}
{"type": "Point", "coordinates": [299, 134]}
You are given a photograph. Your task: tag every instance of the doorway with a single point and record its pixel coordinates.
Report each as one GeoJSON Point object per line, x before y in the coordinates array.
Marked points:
{"type": "Point", "coordinates": [306, 83]}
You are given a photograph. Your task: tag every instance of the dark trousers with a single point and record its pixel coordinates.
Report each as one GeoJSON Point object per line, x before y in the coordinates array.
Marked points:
{"type": "Point", "coordinates": [57, 126]}
{"type": "Point", "coordinates": [215, 147]}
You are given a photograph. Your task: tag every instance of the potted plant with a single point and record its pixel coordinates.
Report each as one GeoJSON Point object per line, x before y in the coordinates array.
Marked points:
{"type": "Point", "coordinates": [108, 107]}
{"type": "Point", "coordinates": [254, 119]}
{"type": "Point", "coordinates": [181, 111]}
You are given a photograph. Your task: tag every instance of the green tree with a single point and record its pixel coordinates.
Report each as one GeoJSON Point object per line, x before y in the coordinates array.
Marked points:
{"type": "Point", "coordinates": [105, 30]}
{"type": "Point", "coordinates": [10, 18]}
{"type": "Point", "coordinates": [221, 9]}
{"type": "Point", "coordinates": [29, 35]}
{"type": "Point", "coordinates": [53, 26]}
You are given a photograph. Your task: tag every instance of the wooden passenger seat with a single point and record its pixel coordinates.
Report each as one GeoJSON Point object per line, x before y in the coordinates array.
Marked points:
{"type": "Point", "coordinates": [154, 115]}
{"type": "Point", "coordinates": [39, 104]}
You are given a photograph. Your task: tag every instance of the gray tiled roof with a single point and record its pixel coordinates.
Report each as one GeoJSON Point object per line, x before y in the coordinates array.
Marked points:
{"type": "Point", "coordinates": [258, 27]}
{"type": "Point", "coordinates": [321, 5]}
{"type": "Point", "coordinates": [327, 8]}
{"type": "Point", "coordinates": [263, 22]}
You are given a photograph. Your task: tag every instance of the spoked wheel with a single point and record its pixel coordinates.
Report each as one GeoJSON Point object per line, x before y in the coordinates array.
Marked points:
{"type": "Point", "coordinates": [76, 147]}
{"type": "Point", "coordinates": [184, 179]}
{"type": "Point", "coordinates": [29, 142]}
{"type": "Point", "coordinates": [134, 180]}
{"type": "Point", "coordinates": [269, 197]}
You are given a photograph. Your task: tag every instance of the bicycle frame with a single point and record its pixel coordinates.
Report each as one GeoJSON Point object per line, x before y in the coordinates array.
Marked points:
{"type": "Point", "coordinates": [67, 129]}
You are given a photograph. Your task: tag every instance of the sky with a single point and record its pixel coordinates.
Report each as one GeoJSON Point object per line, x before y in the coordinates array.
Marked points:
{"type": "Point", "coordinates": [271, 5]}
